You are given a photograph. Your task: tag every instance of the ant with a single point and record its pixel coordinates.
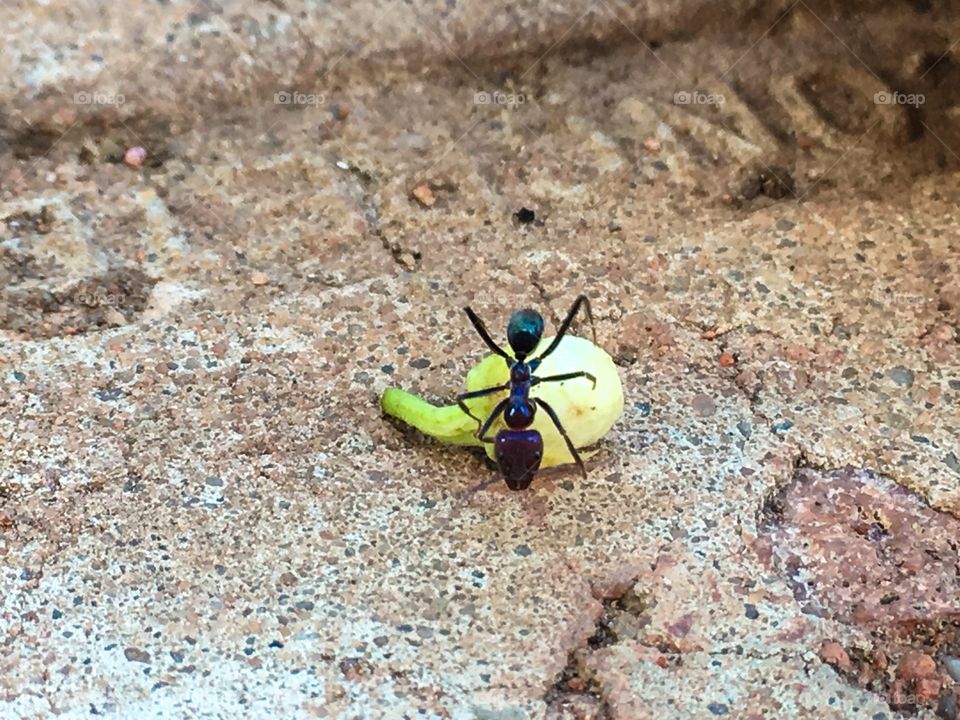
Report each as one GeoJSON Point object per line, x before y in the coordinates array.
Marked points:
{"type": "Point", "coordinates": [517, 448]}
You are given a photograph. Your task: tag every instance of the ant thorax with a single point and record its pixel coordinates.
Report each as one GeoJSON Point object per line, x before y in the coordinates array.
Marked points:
{"type": "Point", "coordinates": [520, 372]}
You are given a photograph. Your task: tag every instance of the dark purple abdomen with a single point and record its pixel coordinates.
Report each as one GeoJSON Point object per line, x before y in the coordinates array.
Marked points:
{"type": "Point", "coordinates": [518, 454]}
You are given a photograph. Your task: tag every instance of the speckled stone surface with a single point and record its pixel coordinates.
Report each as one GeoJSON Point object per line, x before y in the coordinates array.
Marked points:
{"type": "Point", "coordinates": [202, 511]}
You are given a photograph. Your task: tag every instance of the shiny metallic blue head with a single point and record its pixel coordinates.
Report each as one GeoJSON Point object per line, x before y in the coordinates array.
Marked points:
{"type": "Point", "coordinates": [525, 331]}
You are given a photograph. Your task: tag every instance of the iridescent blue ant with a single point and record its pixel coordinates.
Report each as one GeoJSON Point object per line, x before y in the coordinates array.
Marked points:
{"type": "Point", "coordinates": [518, 449]}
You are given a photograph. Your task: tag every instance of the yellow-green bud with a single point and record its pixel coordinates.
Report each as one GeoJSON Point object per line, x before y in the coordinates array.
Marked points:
{"type": "Point", "coordinates": [587, 413]}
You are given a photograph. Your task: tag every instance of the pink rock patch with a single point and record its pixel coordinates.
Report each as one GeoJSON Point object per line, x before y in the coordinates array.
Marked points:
{"type": "Point", "coordinates": [864, 550]}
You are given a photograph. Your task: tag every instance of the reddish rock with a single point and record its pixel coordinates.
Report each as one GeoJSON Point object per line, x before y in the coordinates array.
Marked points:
{"type": "Point", "coordinates": [424, 195]}
{"type": "Point", "coordinates": [916, 666]}
{"type": "Point", "coordinates": [927, 689]}
{"type": "Point", "coordinates": [135, 156]}
{"type": "Point", "coordinates": [857, 535]}
{"type": "Point", "coordinates": [833, 653]}
{"type": "Point", "coordinates": [682, 626]}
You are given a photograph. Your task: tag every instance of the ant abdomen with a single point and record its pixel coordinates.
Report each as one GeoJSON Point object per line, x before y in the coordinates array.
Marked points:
{"type": "Point", "coordinates": [518, 454]}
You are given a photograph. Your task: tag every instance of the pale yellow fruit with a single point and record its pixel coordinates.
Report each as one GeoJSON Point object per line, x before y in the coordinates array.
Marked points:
{"type": "Point", "coordinates": [587, 413]}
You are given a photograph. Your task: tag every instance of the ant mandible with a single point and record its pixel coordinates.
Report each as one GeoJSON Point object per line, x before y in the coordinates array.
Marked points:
{"type": "Point", "coordinates": [518, 449]}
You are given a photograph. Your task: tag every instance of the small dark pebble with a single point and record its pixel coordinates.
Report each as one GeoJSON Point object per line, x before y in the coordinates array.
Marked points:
{"type": "Point", "coordinates": [644, 408]}
{"type": "Point", "coordinates": [782, 427]}
{"type": "Point", "coordinates": [420, 363]}
{"type": "Point", "coordinates": [177, 656]}
{"type": "Point", "coordinates": [750, 611]}
{"type": "Point", "coordinates": [136, 655]}
{"type": "Point", "coordinates": [902, 376]}
{"type": "Point", "coordinates": [783, 225]}
{"type": "Point", "coordinates": [387, 369]}
{"type": "Point", "coordinates": [215, 481]}
{"type": "Point", "coordinates": [523, 550]}
{"type": "Point", "coordinates": [381, 640]}
{"type": "Point", "coordinates": [405, 628]}
{"type": "Point", "coordinates": [947, 707]}
{"type": "Point", "coordinates": [954, 384]}
{"type": "Point", "coordinates": [56, 614]}
{"type": "Point", "coordinates": [109, 394]}
{"type": "Point", "coordinates": [525, 215]}
{"type": "Point", "coordinates": [952, 462]}
{"type": "Point", "coordinates": [19, 376]}
{"type": "Point", "coordinates": [275, 644]}
{"type": "Point", "coordinates": [718, 708]}
{"type": "Point", "coordinates": [304, 605]}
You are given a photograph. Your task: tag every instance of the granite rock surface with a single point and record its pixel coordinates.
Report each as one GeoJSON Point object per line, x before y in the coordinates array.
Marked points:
{"type": "Point", "coordinates": [225, 229]}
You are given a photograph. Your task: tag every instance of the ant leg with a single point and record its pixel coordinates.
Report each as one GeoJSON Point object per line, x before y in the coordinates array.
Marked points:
{"type": "Point", "coordinates": [564, 376]}
{"type": "Point", "coordinates": [582, 300]}
{"type": "Point", "coordinates": [566, 438]}
{"type": "Point", "coordinates": [484, 334]}
{"type": "Point", "coordinates": [493, 416]}
{"type": "Point", "coordinates": [476, 394]}
{"type": "Point", "coordinates": [466, 411]}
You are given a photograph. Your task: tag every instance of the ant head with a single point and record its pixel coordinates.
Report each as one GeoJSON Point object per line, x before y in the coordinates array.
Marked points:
{"type": "Point", "coordinates": [524, 331]}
